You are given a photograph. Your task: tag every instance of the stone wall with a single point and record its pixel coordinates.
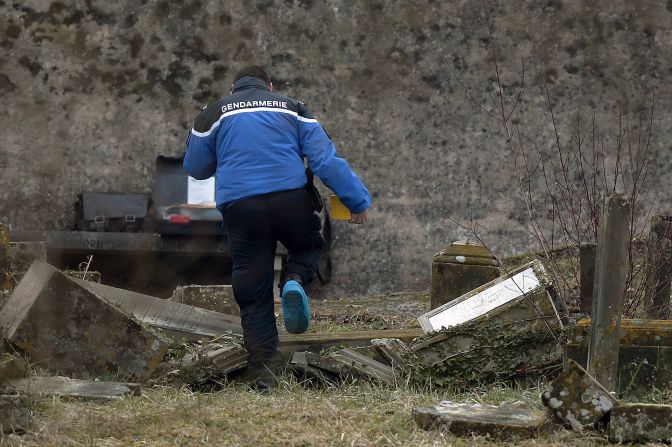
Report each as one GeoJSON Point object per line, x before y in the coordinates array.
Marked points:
{"type": "Point", "coordinates": [93, 91]}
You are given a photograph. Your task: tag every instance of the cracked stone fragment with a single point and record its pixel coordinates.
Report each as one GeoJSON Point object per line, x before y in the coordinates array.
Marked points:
{"type": "Point", "coordinates": [503, 423]}
{"type": "Point", "coordinates": [641, 423]}
{"type": "Point", "coordinates": [577, 399]}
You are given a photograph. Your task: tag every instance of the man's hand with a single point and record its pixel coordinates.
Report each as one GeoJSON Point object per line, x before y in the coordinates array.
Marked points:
{"type": "Point", "coordinates": [359, 218]}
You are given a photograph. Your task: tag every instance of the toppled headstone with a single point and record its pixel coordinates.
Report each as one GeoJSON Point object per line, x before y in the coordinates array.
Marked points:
{"type": "Point", "coordinates": [460, 268]}
{"type": "Point", "coordinates": [507, 328]}
{"type": "Point", "coordinates": [576, 399]}
{"type": "Point", "coordinates": [63, 327]}
{"type": "Point", "coordinates": [641, 423]}
{"type": "Point", "coordinates": [395, 351]}
{"type": "Point", "coordinates": [15, 415]}
{"type": "Point", "coordinates": [177, 319]}
{"type": "Point", "coordinates": [208, 363]}
{"type": "Point", "coordinates": [67, 387]}
{"type": "Point", "coordinates": [363, 365]}
{"type": "Point", "coordinates": [218, 298]}
{"type": "Point", "coordinates": [318, 341]}
{"type": "Point", "coordinates": [520, 295]}
{"type": "Point", "coordinates": [23, 254]}
{"type": "Point", "coordinates": [502, 423]}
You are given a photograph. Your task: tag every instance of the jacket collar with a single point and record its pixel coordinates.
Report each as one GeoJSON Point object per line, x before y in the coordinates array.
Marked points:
{"type": "Point", "coordinates": [249, 82]}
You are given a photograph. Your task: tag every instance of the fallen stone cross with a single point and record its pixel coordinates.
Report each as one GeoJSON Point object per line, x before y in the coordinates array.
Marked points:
{"type": "Point", "coordinates": [503, 423]}
{"type": "Point", "coordinates": [641, 423]}
{"type": "Point", "coordinates": [64, 327]}
{"type": "Point", "coordinates": [576, 399]}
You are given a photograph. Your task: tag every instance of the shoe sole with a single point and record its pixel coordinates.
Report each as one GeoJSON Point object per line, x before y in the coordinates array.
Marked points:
{"type": "Point", "coordinates": [294, 308]}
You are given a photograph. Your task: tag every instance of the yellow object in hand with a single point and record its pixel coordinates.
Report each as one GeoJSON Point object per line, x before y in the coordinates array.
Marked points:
{"type": "Point", "coordinates": [338, 210]}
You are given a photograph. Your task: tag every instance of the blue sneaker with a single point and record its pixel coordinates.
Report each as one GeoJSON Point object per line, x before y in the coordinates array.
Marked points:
{"type": "Point", "coordinates": [295, 307]}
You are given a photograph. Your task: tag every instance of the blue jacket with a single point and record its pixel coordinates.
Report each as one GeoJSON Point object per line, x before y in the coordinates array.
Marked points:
{"type": "Point", "coordinates": [254, 142]}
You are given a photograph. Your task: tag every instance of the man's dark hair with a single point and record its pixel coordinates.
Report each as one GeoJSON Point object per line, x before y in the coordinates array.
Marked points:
{"type": "Point", "coordinates": [255, 71]}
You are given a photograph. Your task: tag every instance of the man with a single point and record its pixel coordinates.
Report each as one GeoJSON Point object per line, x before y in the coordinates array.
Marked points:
{"type": "Point", "coordinates": [254, 141]}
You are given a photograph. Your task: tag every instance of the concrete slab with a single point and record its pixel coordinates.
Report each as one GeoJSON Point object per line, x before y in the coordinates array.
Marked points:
{"type": "Point", "coordinates": [63, 327]}
{"type": "Point", "coordinates": [576, 399]}
{"type": "Point", "coordinates": [502, 423]}
{"type": "Point", "coordinates": [67, 387]}
{"type": "Point", "coordinates": [181, 320]}
{"type": "Point", "coordinates": [15, 415]}
{"type": "Point", "coordinates": [218, 298]}
{"type": "Point", "coordinates": [641, 423]}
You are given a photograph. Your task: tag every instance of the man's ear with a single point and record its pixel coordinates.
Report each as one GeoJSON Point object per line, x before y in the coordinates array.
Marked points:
{"type": "Point", "coordinates": [270, 86]}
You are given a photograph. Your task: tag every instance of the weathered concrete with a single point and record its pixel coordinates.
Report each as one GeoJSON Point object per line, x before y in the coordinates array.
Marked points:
{"type": "Point", "coordinates": [211, 362]}
{"type": "Point", "coordinates": [62, 326]}
{"type": "Point", "coordinates": [15, 415]}
{"type": "Point", "coordinates": [459, 269]}
{"type": "Point", "coordinates": [22, 255]}
{"type": "Point", "coordinates": [180, 320]}
{"type": "Point", "coordinates": [117, 83]}
{"type": "Point", "coordinates": [576, 399]}
{"type": "Point", "coordinates": [218, 298]}
{"type": "Point", "coordinates": [67, 387]}
{"type": "Point", "coordinates": [659, 268]}
{"type": "Point", "coordinates": [641, 423]}
{"type": "Point", "coordinates": [503, 423]}
{"type": "Point", "coordinates": [611, 263]}
{"type": "Point", "coordinates": [587, 253]}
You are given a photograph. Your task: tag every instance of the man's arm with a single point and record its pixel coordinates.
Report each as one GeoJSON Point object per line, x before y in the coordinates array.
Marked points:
{"type": "Point", "coordinates": [200, 160]}
{"type": "Point", "coordinates": [332, 170]}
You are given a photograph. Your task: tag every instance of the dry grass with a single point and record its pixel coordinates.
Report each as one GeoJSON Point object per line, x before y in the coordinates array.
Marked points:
{"type": "Point", "coordinates": [292, 415]}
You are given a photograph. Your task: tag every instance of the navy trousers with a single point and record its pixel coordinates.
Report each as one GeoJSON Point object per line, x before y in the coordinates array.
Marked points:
{"type": "Point", "coordinates": [254, 226]}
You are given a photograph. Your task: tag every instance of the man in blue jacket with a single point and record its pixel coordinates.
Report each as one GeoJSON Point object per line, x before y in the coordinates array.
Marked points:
{"type": "Point", "coordinates": [254, 142]}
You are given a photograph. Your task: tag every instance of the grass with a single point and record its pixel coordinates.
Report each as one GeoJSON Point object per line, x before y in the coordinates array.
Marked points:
{"type": "Point", "coordinates": [291, 415]}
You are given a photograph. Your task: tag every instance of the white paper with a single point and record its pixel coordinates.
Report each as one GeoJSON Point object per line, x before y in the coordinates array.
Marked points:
{"type": "Point", "coordinates": [486, 300]}
{"type": "Point", "coordinates": [201, 192]}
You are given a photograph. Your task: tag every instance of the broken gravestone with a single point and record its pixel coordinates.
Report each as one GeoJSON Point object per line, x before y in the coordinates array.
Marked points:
{"type": "Point", "coordinates": [364, 365]}
{"type": "Point", "coordinates": [394, 351]}
{"type": "Point", "coordinates": [641, 423]}
{"type": "Point", "coordinates": [218, 298]}
{"type": "Point", "coordinates": [340, 366]}
{"type": "Point", "coordinates": [502, 423]}
{"type": "Point", "coordinates": [67, 329]}
{"type": "Point", "coordinates": [208, 363]}
{"type": "Point", "coordinates": [576, 399]}
{"type": "Point", "coordinates": [176, 319]}
{"type": "Point", "coordinates": [509, 327]}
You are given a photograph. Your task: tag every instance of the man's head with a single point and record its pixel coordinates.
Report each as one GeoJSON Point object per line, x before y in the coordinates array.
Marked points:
{"type": "Point", "coordinates": [254, 71]}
